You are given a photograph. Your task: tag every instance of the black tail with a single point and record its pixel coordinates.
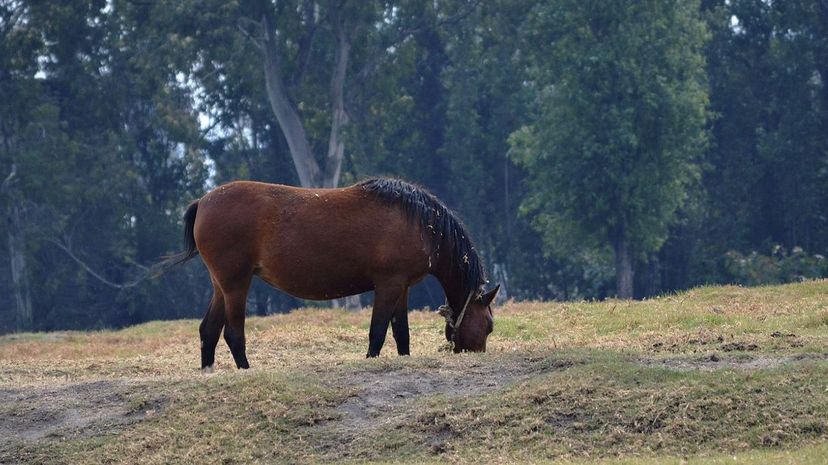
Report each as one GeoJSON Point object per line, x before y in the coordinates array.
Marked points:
{"type": "Point", "coordinates": [189, 238]}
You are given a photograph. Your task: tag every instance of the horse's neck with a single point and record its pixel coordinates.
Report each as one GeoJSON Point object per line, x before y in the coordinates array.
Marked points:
{"type": "Point", "coordinates": [450, 279]}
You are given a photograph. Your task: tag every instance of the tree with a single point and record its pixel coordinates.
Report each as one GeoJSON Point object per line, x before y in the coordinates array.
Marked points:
{"type": "Point", "coordinates": [767, 68]}
{"type": "Point", "coordinates": [98, 145]}
{"type": "Point", "coordinates": [297, 41]}
{"type": "Point", "coordinates": [620, 124]}
{"type": "Point", "coordinates": [27, 131]}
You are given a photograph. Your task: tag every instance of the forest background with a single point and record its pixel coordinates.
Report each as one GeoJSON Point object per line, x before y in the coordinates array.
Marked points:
{"type": "Point", "coordinates": [593, 148]}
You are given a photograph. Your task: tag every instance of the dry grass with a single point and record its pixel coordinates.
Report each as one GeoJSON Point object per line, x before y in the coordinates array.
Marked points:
{"type": "Point", "coordinates": [613, 407]}
{"type": "Point", "coordinates": [571, 381]}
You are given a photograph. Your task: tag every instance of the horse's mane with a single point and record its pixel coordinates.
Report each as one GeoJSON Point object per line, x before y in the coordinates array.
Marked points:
{"type": "Point", "coordinates": [448, 234]}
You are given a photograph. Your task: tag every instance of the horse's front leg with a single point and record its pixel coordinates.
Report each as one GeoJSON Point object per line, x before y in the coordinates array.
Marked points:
{"type": "Point", "coordinates": [399, 326]}
{"type": "Point", "coordinates": [387, 299]}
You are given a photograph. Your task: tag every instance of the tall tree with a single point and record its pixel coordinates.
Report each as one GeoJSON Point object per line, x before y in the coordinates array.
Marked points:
{"type": "Point", "coordinates": [315, 53]}
{"type": "Point", "coordinates": [620, 124]}
{"type": "Point", "coordinates": [297, 41]}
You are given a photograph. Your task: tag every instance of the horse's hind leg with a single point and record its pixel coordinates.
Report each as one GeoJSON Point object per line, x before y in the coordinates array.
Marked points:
{"type": "Point", "coordinates": [235, 302]}
{"type": "Point", "coordinates": [399, 326]}
{"type": "Point", "coordinates": [210, 329]}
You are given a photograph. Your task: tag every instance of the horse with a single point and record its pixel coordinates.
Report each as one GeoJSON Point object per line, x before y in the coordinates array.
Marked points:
{"type": "Point", "coordinates": [380, 234]}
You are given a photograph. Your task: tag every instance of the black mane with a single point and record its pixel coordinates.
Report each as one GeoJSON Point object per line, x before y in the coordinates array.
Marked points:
{"type": "Point", "coordinates": [449, 236]}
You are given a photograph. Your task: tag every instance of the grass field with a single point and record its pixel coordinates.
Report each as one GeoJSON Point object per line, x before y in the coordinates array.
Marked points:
{"type": "Point", "coordinates": [720, 375]}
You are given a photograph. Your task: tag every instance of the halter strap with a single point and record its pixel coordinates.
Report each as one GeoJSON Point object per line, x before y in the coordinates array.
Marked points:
{"type": "Point", "coordinates": [445, 310]}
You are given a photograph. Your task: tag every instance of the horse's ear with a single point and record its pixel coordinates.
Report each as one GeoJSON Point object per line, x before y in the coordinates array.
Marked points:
{"type": "Point", "coordinates": [488, 297]}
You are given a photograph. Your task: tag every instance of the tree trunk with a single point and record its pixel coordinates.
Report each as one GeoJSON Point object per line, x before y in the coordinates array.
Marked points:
{"type": "Point", "coordinates": [261, 301]}
{"type": "Point", "coordinates": [20, 278]}
{"type": "Point", "coordinates": [351, 302]}
{"type": "Point", "coordinates": [653, 284]}
{"type": "Point", "coordinates": [17, 257]}
{"type": "Point", "coordinates": [623, 267]}
{"type": "Point", "coordinates": [286, 113]}
{"type": "Point", "coordinates": [500, 276]}
{"type": "Point", "coordinates": [336, 146]}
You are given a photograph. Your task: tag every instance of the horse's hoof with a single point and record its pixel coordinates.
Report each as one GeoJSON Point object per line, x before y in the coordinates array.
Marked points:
{"type": "Point", "coordinates": [207, 370]}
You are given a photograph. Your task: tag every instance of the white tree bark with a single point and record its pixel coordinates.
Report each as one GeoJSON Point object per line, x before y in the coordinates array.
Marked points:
{"type": "Point", "coordinates": [336, 146]}
{"type": "Point", "coordinates": [623, 267]}
{"type": "Point", "coordinates": [286, 112]}
{"type": "Point", "coordinates": [17, 256]}
{"type": "Point", "coordinates": [500, 276]}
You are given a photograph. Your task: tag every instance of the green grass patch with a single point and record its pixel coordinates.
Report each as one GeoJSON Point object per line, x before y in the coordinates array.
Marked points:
{"type": "Point", "coordinates": [616, 407]}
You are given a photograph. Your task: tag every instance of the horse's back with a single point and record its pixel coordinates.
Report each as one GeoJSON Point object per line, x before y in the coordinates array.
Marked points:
{"type": "Point", "coordinates": [312, 243]}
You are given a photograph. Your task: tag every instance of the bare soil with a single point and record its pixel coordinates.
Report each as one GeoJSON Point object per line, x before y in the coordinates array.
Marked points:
{"type": "Point", "coordinates": [77, 409]}
{"type": "Point", "coordinates": [385, 393]}
{"type": "Point", "coordinates": [716, 361]}
{"type": "Point", "coordinates": [385, 399]}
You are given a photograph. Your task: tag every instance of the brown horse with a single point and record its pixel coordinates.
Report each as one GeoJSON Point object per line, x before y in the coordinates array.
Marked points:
{"type": "Point", "coordinates": [381, 234]}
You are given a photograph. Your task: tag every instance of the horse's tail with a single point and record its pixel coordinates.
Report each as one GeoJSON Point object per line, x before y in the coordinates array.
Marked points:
{"type": "Point", "coordinates": [189, 238]}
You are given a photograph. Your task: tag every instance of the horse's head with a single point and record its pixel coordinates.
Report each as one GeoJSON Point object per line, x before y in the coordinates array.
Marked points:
{"type": "Point", "coordinates": [476, 324]}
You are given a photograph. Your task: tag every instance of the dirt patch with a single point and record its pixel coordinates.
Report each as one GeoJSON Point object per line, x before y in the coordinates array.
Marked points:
{"type": "Point", "coordinates": [712, 340]}
{"type": "Point", "coordinates": [78, 409]}
{"type": "Point", "coordinates": [387, 398]}
{"type": "Point", "coordinates": [715, 361]}
{"type": "Point", "coordinates": [739, 347]}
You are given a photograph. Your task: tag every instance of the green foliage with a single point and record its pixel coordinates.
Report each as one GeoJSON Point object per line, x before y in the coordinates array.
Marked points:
{"type": "Point", "coordinates": [768, 77]}
{"type": "Point", "coordinates": [106, 145]}
{"type": "Point", "coordinates": [780, 266]}
{"type": "Point", "coordinates": [620, 121]}
{"type": "Point", "coordinates": [562, 133]}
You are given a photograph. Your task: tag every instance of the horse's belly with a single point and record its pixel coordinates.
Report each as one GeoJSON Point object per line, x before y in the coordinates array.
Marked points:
{"type": "Point", "coordinates": [322, 284]}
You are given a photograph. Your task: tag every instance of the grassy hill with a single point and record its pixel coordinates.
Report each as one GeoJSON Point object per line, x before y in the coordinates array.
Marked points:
{"type": "Point", "coordinates": [713, 375]}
